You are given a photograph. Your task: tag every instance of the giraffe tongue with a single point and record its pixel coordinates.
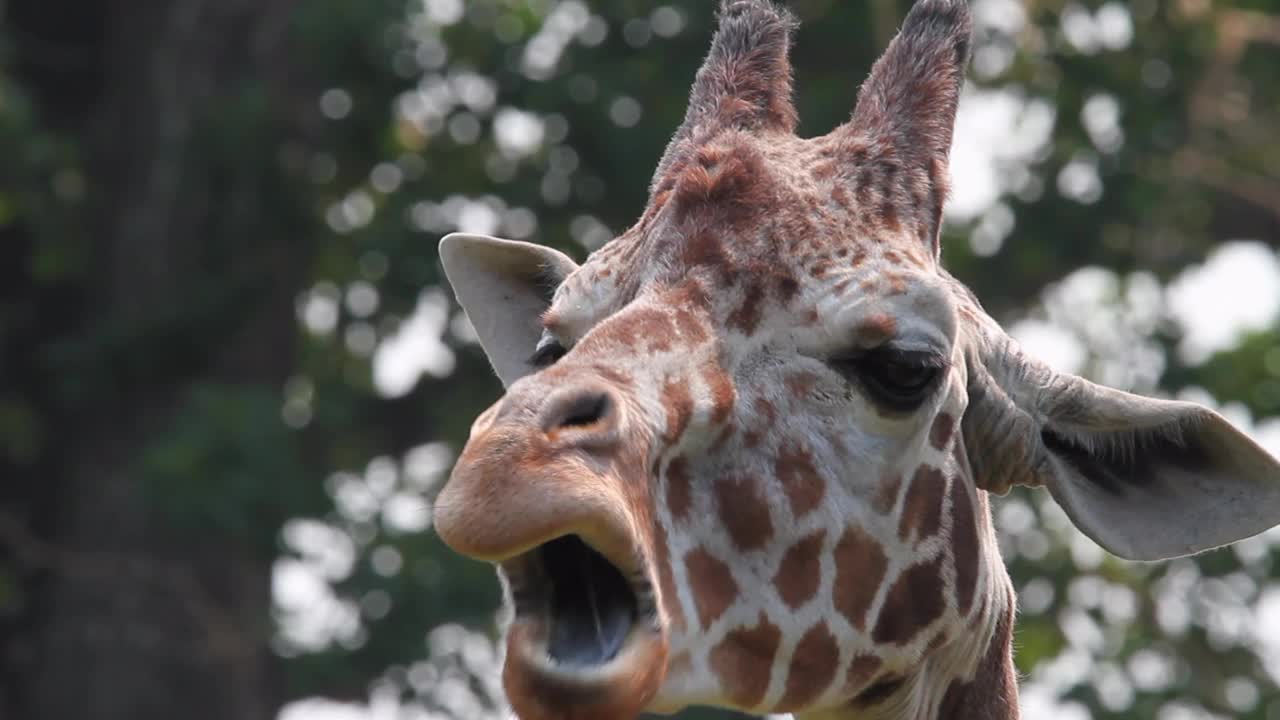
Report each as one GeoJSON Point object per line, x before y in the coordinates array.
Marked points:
{"type": "Point", "coordinates": [592, 605]}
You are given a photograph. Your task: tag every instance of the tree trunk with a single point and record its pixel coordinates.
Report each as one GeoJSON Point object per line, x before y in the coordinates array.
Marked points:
{"type": "Point", "coordinates": [193, 281]}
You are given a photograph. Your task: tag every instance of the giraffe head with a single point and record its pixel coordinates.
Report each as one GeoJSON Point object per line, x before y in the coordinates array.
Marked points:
{"type": "Point", "coordinates": [745, 450]}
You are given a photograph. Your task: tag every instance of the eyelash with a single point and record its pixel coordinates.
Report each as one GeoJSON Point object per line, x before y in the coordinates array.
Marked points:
{"type": "Point", "coordinates": [547, 353]}
{"type": "Point", "coordinates": [900, 380]}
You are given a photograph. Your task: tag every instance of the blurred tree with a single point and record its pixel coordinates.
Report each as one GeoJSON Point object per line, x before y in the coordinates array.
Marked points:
{"type": "Point", "coordinates": [152, 251]}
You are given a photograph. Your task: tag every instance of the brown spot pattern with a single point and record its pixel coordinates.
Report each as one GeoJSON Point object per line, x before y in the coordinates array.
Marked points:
{"type": "Point", "coordinates": [913, 603]}
{"type": "Point", "coordinates": [940, 434]}
{"type": "Point", "coordinates": [747, 317]}
{"type": "Point", "coordinates": [897, 284]}
{"type": "Point", "coordinates": [865, 185]}
{"type": "Point", "coordinates": [862, 670]}
{"type": "Point", "coordinates": [679, 489]}
{"type": "Point", "coordinates": [813, 667]}
{"type": "Point", "coordinates": [708, 156]}
{"type": "Point", "coordinates": [695, 185]}
{"type": "Point", "coordinates": [732, 180]}
{"type": "Point", "coordinates": [767, 411]}
{"type": "Point", "coordinates": [688, 323]}
{"type": "Point", "coordinates": [723, 395]}
{"type": "Point", "coordinates": [915, 259]}
{"type": "Point", "coordinates": [887, 494]}
{"type": "Point", "coordinates": [744, 511]}
{"type": "Point", "coordinates": [889, 216]}
{"type": "Point", "coordinates": [922, 508]}
{"type": "Point", "coordinates": [644, 329]}
{"type": "Point", "coordinates": [840, 195]}
{"type": "Point", "coordinates": [964, 544]}
{"type": "Point", "coordinates": [799, 478]}
{"type": "Point", "coordinates": [801, 384]}
{"type": "Point", "coordinates": [860, 568]}
{"type": "Point", "coordinates": [993, 692]}
{"type": "Point", "coordinates": [703, 248]}
{"type": "Point", "coordinates": [714, 589]}
{"type": "Point", "coordinates": [743, 661]}
{"type": "Point", "coordinates": [878, 328]}
{"type": "Point", "coordinates": [654, 327]}
{"type": "Point", "coordinates": [679, 406]}
{"type": "Point", "coordinates": [801, 571]}
{"type": "Point", "coordinates": [689, 327]}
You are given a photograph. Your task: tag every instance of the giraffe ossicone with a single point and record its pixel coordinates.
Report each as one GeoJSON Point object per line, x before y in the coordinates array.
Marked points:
{"type": "Point", "coordinates": [746, 448]}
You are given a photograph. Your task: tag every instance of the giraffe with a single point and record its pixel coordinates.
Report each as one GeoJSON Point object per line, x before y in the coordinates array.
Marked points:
{"type": "Point", "coordinates": [747, 448]}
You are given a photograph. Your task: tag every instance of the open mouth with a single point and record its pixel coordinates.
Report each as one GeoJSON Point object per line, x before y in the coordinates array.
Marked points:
{"type": "Point", "coordinates": [586, 609]}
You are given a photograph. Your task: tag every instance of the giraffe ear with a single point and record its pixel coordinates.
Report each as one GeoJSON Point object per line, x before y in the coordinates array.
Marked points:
{"type": "Point", "coordinates": [911, 96]}
{"type": "Point", "coordinates": [907, 107]}
{"type": "Point", "coordinates": [1147, 479]}
{"type": "Point", "coordinates": [745, 82]}
{"type": "Point", "coordinates": [504, 286]}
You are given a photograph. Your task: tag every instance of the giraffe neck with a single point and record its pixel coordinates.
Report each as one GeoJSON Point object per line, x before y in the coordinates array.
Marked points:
{"type": "Point", "coordinates": [988, 690]}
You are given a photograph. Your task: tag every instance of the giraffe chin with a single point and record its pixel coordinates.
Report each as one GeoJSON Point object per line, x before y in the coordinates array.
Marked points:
{"type": "Point", "coordinates": [585, 643]}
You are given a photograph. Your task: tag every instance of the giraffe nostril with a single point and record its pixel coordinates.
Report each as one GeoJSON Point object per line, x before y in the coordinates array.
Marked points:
{"type": "Point", "coordinates": [590, 410]}
{"type": "Point", "coordinates": [586, 410]}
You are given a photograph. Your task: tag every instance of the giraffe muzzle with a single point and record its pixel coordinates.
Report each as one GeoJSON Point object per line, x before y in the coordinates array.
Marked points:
{"type": "Point", "coordinates": [550, 488]}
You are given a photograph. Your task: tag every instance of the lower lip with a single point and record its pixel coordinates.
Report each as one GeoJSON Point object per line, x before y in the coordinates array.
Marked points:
{"type": "Point", "coordinates": [620, 688]}
{"type": "Point", "coordinates": [528, 640]}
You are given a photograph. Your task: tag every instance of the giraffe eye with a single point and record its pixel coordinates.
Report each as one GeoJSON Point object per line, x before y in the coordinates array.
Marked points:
{"type": "Point", "coordinates": [899, 380]}
{"type": "Point", "coordinates": [549, 350]}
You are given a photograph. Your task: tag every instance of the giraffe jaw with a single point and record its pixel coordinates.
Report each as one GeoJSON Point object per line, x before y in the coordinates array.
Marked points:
{"type": "Point", "coordinates": [585, 636]}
